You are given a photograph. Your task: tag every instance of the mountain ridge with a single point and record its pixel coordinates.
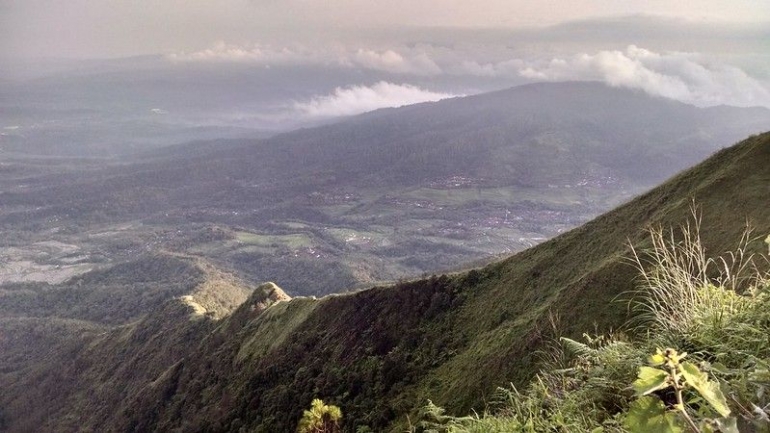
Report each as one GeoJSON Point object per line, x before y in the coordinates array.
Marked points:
{"type": "Point", "coordinates": [382, 352]}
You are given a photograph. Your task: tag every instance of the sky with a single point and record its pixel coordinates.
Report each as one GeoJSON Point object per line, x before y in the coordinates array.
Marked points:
{"type": "Point", "coordinates": [114, 28]}
{"type": "Point", "coordinates": [703, 52]}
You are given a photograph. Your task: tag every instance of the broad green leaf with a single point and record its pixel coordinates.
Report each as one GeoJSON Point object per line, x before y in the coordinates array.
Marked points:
{"type": "Point", "coordinates": [648, 415]}
{"type": "Point", "coordinates": [657, 359]}
{"type": "Point", "coordinates": [708, 389]}
{"type": "Point", "coordinates": [649, 380]}
{"type": "Point", "coordinates": [598, 430]}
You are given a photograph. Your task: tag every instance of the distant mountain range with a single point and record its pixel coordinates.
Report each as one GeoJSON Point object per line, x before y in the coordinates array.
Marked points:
{"type": "Point", "coordinates": [531, 135]}
{"type": "Point", "coordinates": [189, 365]}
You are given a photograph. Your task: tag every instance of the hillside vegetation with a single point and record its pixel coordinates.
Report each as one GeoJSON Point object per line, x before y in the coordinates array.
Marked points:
{"type": "Point", "coordinates": [380, 354]}
{"type": "Point", "coordinates": [642, 381]}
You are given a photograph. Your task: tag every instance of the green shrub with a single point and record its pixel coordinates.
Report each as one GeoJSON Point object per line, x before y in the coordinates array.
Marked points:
{"type": "Point", "coordinates": [320, 418]}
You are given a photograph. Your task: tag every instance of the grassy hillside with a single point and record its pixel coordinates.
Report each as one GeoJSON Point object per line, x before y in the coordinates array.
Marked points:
{"type": "Point", "coordinates": [695, 358]}
{"type": "Point", "coordinates": [381, 353]}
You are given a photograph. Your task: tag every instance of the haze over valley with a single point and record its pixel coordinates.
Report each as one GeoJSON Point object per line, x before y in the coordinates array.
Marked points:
{"type": "Point", "coordinates": [387, 195]}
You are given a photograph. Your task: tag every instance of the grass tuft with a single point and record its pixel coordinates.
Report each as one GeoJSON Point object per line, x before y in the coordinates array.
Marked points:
{"type": "Point", "coordinates": [681, 288]}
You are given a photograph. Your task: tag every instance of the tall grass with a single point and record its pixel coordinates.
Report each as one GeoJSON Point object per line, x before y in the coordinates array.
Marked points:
{"type": "Point", "coordinates": [682, 289]}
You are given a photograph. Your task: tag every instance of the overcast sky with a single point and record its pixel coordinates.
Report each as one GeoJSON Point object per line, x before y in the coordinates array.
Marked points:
{"type": "Point", "coordinates": [704, 52]}
{"type": "Point", "coordinates": [113, 28]}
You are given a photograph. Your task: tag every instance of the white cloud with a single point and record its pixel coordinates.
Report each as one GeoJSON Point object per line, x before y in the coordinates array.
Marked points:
{"type": "Point", "coordinates": [689, 77]}
{"type": "Point", "coordinates": [224, 52]}
{"type": "Point", "coordinates": [359, 99]}
{"type": "Point", "coordinates": [394, 62]}
{"type": "Point", "coordinates": [397, 61]}
{"type": "Point", "coordinates": [686, 77]}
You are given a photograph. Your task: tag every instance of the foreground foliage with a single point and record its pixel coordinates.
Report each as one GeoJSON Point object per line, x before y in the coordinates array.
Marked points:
{"type": "Point", "coordinates": [668, 371]}
{"type": "Point", "coordinates": [717, 309]}
{"type": "Point", "coordinates": [320, 418]}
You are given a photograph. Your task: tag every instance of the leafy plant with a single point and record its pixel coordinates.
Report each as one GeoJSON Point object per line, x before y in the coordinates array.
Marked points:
{"type": "Point", "coordinates": [434, 420]}
{"type": "Point", "coordinates": [696, 398]}
{"type": "Point", "coordinates": [320, 418]}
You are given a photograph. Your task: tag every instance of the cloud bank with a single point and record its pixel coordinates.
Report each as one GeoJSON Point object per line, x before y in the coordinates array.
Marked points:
{"type": "Point", "coordinates": [402, 61]}
{"type": "Point", "coordinates": [256, 53]}
{"type": "Point", "coordinates": [693, 78]}
{"type": "Point", "coordinates": [394, 62]}
{"type": "Point", "coordinates": [686, 77]}
{"type": "Point", "coordinates": [359, 99]}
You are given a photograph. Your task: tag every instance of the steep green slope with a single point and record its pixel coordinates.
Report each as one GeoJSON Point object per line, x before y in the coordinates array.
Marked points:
{"type": "Point", "coordinates": [576, 276]}
{"type": "Point", "coordinates": [380, 353]}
